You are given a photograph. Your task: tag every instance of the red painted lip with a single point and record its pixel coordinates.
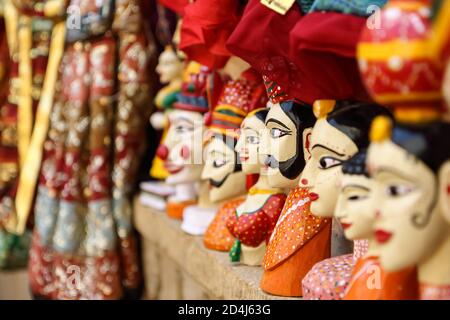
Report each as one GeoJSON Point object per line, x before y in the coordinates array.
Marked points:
{"type": "Point", "coordinates": [313, 196]}
{"type": "Point", "coordinates": [382, 236]}
{"type": "Point", "coordinates": [243, 158]}
{"type": "Point", "coordinates": [173, 169]}
{"type": "Point", "coordinates": [346, 225]}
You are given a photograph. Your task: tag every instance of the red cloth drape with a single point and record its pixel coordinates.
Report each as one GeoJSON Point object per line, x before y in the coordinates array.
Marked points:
{"type": "Point", "coordinates": [207, 25]}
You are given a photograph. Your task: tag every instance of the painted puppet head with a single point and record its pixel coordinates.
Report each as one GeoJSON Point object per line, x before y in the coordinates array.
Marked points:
{"type": "Point", "coordinates": [182, 147]}
{"type": "Point", "coordinates": [222, 166]}
{"type": "Point", "coordinates": [249, 141]}
{"type": "Point", "coordinates": [288, 126]}
{"type": "Point", "coordinates": [170, 65]}
{"type": "Point", "coordinates": [341, 130]}
{"type": "Point", "coordinates": [407, 76]}
{"type": "Point", "coordinates": [410, 164]}
{"type": "Point", "coordinates": [355, 203]}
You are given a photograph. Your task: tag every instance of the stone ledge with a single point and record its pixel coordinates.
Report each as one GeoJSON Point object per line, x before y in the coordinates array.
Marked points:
{"type": "Point", "coordinates": [14, 285]}
{"type": "Point", "coordinates": [211, 271]}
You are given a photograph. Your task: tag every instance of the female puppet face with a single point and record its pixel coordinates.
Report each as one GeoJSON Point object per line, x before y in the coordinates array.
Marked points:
{"type": "Point", "coordinates": [248, 144]}
{"type": "Point", "coordinates": [446, 88]}
{"type": "Point", "coordinates": [169, 66]}
{"type": "Point", "coordinates": [220, 169]}
{"type": "Point", "coordinates": [323, 171]}
{"type": "Point", "coordinates": [183, 147]}
{"type": "Point", "coordinates": [408, 225]}
{"type": "Point", "coordinates": [278, 147]}
{"type": "Point", "coordinates": [355, 206]}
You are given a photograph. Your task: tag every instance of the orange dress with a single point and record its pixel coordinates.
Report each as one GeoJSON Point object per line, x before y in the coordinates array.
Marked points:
{"type": "Point", "coordinates": [299, 241]}
{"type": "Point", "coordinates": [401, 285]}
{"type": "Point", "coordinates": [175, 209]}
{"type": "Point", "coordinates": [217, 237]}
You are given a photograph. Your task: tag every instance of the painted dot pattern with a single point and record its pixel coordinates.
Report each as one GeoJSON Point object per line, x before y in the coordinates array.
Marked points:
{"type": "Point", "coordinates": [360, 248]}
{"type": "Point", "coordinates": [295, 227]}
{"type": "Point", "coordinates": [328, 279]}
{"type": "Point", "coordinates": [255, 227]}
{"type": "Point", "coordinates": [245, 93]}
{"type": "Point", "coordinates": [217, 237]}
{"type": "Point", "coordinates": [432, 292]}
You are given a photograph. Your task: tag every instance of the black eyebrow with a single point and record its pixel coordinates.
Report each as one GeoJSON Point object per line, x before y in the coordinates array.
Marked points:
{"type": "Point", "coordinates": [248, 128]}
{"type": "Point", "coordinates": [356, 186]}
{"type": "Point", "coordinates": [218, 152]}
{"type": "Point", "coordinates": [277, 122]}
{"type": "Point", "coordinates": [326, 148]}
{"type": "Point", "coordinates": [186, 120]}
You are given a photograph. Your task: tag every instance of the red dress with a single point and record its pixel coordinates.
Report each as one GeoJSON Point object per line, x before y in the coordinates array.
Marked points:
{"type": "Point", "coordinates": [252, 228]}
{"type": "Point", "coordinates": [83, 244]}
{"type": "Point", "coordinates": [207, 25]}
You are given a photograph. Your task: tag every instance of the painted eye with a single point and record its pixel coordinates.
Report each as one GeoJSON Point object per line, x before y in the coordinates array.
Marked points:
{"type": "Point", "coordinates": [329, 162]}
{"type": "Point", "coordinates": [252, 140]}
{"type": "Point", "coordinates": [182, 129]}
{"type": "Point", "coordinates": [219, 163]}
{"type": "Point", "coordinates": [356, 197]}
{"type": "Point", "coordinates": [277, 133]}
{"type": "Point", "coordinates": [397, 190]}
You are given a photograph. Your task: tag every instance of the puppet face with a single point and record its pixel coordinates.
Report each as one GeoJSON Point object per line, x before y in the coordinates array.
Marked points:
{"type": "Point", "coordinates": [408, 222]}
{"type": "Point", "coordinates": [183, 147]}
{"type": "Point", "coordinates": [279, 148]}
{"type": "Point", "coordinates": [169, 67]}
{"type": "Point", "coordinates": [355, 206]}
{"type": "Point", "coordinates": [446, 88]}
{"type": "Point", "coordinates": [323, 171]}
{"type": "Point", "coordinates": [226, 180]}
{"type": "Point", "coordinates": [248, 144]}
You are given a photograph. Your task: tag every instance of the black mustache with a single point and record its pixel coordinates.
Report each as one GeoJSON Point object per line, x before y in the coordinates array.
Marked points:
{"type": "Point", "coordinates": [290, 168]}
{"type": "Point", "coordinates": [271, 162]}
{"type": "Point", "coordinates": [218, 183]}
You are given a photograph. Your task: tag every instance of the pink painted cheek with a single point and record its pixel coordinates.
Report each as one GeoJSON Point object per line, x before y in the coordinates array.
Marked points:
{"type": "Point", "coordinates": [162, 152]}
{"type": "Point", "coordinates": [185, 152]}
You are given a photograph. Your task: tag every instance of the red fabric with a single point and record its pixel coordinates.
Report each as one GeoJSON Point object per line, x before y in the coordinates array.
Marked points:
{"type": "Point", "coordinates": [323, 47]}
{"type": "Point", "coordinates": [310, 57]}
{"type": "Point", "coordinates": [207, 25]}
{"type": "Point", "coordinates": [60, 276]}
{"type": "Point", "coordinates": [175, 5]}
{"type": "Point", "coordinates": [329, 32]}
{"type": "Point", "coordinates": [251, 180]}
{"type": "Point", "coordinates": [262, 39]}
